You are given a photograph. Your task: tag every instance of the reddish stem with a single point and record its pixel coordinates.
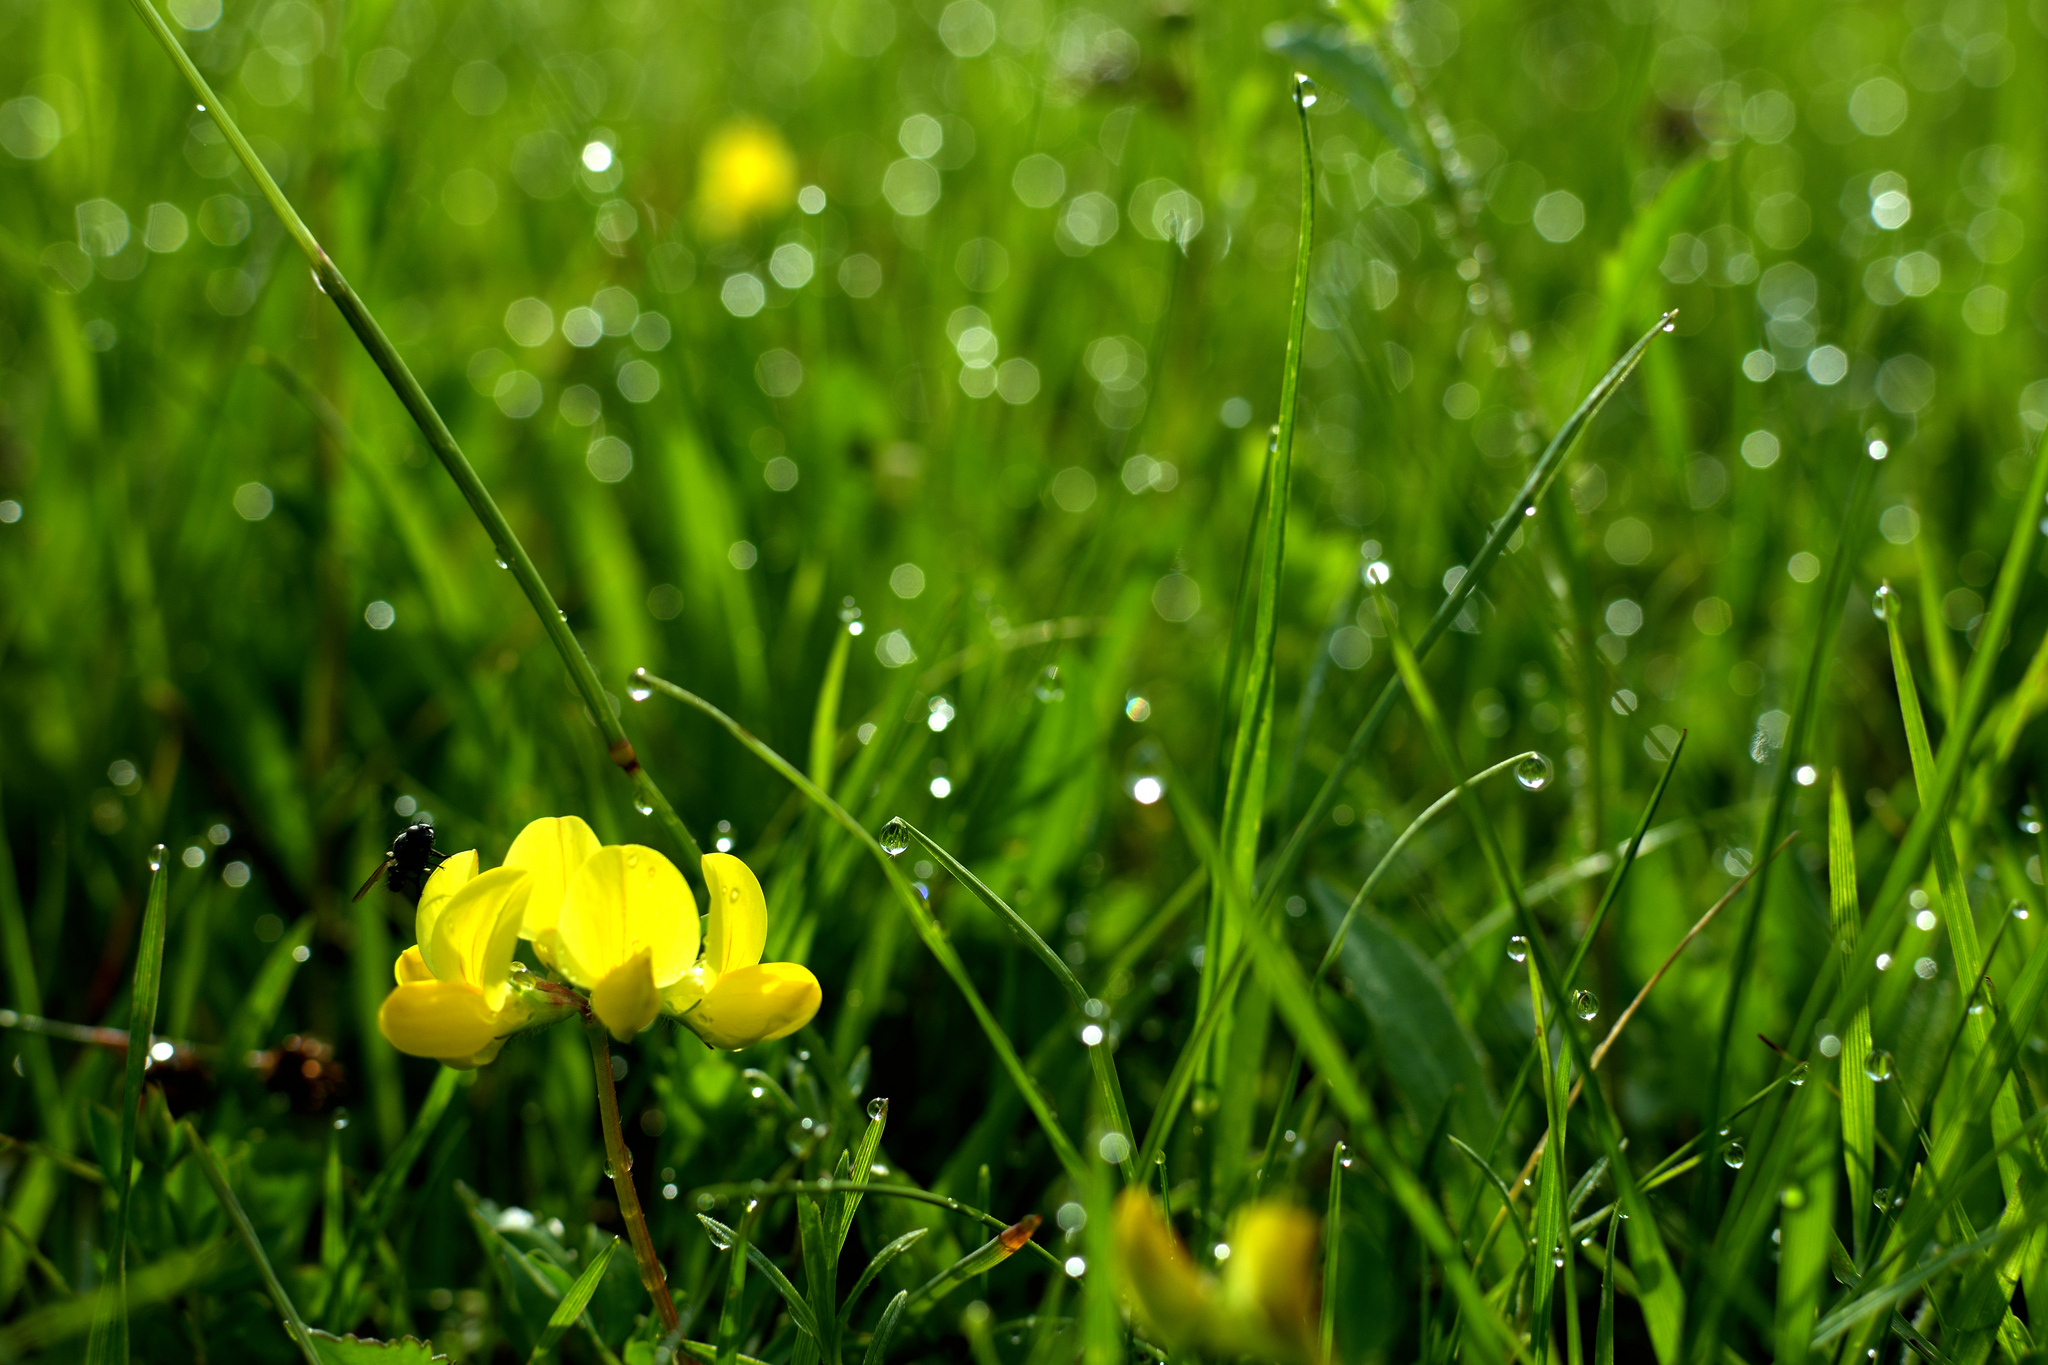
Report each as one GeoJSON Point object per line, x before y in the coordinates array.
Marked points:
{"type": "Point", "coordinates": [620, 1162]}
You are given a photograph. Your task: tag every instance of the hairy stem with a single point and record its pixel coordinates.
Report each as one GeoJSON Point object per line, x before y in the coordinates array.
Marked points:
{"type": "Point", "coordinates": [620, 1163]}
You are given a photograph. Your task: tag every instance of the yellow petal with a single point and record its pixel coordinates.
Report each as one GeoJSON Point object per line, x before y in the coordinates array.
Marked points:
{"type": "Point", "coordinates": [738, 915]}
{"type": "Point", "coordinates": [551, 848]}
{"type": "Point", "coordinates": [443, 1019]}
{"type": "Point", "coordinates": [626, 999]}
{"type": "Point", "coordinates": [451, 876]}
{"type": "Point", "coordinates": [411, 967]}
{"type": "Point", "coordinates": [625, 899]}
{"type": "Point", "coordinates": [1269, 1305]}
{"type": "Point", "coordinates": [756, 1004]}
{"type": "Point", "coordinates": [478, 928]}
{"type": "Point", "coordinates": [1171, 1296]}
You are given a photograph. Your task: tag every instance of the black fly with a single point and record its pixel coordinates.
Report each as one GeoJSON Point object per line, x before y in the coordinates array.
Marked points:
{"type": "Point", "coordinates": [411, 859]}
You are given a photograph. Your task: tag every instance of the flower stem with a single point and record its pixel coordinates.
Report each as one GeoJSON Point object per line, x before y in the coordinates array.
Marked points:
{"type": "Point", "coordinates": [619, 1162]}
{"type": "Point", "coordinates": [328, 277]}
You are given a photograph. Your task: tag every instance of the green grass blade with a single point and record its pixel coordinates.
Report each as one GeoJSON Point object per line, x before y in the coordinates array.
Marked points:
{"type": "Point", "coordinates": [574, 1300]}
{"type": "Point", "coordinates": [1333, 1251]}
{"type": "Point", "coordinates": [875, 1267]}
{"type": "Point", "coordinates": [885, 1330]}
{"type": "Point", "coordinates": [217, 1176]}
{"type": "Point", "coordinates": [979, 1261]}
{"type": "Point", "coordinates": [439, 439]}
{"type": "Point", "coordinates": [1532, 490]}
{"type": "Point", "coordinates": [821, 1264]}
{"type": "Point", "coordinates": [934, 938]}
{"type": "Point", "coordinates": [380, 1201]}
{"type": "Point", "coordinates": [1807, 1226]}
{"type": "Point", "coordinates": [860, 1165]}
{"type": "Point", "coordinates": [258, 1009]}
{"type": "Point", "coordinates": [825, 717]}
{"type": "Point", "coordinates": [799, 1308]}
{"type": "Point", "coordinates": [108, 1344]}
{"type": "Point", "coordinates": [1859, 1095]}
{"type": "Point", "coordinates": [732, 1314]}
{"type": "Point", "coordinates": [1295, 998]}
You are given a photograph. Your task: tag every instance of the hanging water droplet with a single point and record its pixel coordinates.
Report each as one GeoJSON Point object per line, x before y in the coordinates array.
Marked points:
{"type": "Point", "coordinates": [1670, 327]}
{"type": "Point", "coordinates": [1733, 1156]}
{"type": "Point", "coordinates": [316, 282]}
{"type": "Point", "coordinates": [878, 1109]}
{"type": "Point", "coordinates": [1304, 91]}
{"type": "Point", "coordinates": [1883, 603]}
{"type": "Point", "coordinates": [1557, 1257]}
{"type": "Point", "coordinates": [1585, 1004]}
{"type": "Point", "coordinates": [1881, 1198]}
{"type": "Point", "coordinates": [156, 858]}
{"type": "Point", "coordinates": [1533, 772]}
{"type": "Point", "coordinates": [1985, 996]}
{"type": "Point", "coordinates": [720, 1235]}
{"type": "Point", "coordinates": [643, 805]}
{"type": "Point", "coordinates": [1798, 1076]}
{"type": "Point", "coordinates": [2030, 820]}
{"type": "Point", "coordinates": [500, 561]}
{"type": "Point", "coordinates": [1878, 1065]}
{"type": "Point", "coordinates": [2018, 911]}
{"type": "Point", "coordinates": [1518, 949]}
{"type": "Point", "coordinates": [895, 837]}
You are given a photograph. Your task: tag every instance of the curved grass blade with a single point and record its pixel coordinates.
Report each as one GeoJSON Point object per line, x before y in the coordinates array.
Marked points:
{"type": "Point", "coordinates": [859, 1165]}
{"type": "Point", "coordinates": [108, 1344]}
{"type": "Point", "coordinates": [821, 1265]}
{"type": "Point", "coordinates": [892, 1316]}
{"type": "Point", "coordinates": [380, 1201]}
{"type": "Point", "coordinates": [979, 1261]}
{"type": "Point", "coordinates": [217, 1176]}
{"type": "Point", "coordinates": [934, 937]}
{"type": "Point", "coordinates": [799, 1311]}
{"type": "Point", "coordinates": [732, 1314]}
{"type": "Point", "coordinates": [875, 1267]}
{"type": "Point", "coordinates": [1532, 489]}
{"type": "Point", "coordinates": [1859, 1095]}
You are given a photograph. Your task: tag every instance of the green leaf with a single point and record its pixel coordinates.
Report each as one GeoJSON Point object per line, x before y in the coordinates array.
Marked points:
{"type": "Point", "coordinates": [859, 1168]}
{"type": "Point", "coordinates": [1428, 1051]}
{"type": "Point", "coordinates": [892, 1316]}
{"type": "Point", "coordinates": [574, 1301]}
{"type": "Point", "coordinates": [108, 1344]}
{"type": "Point", "coordinates": [353, 1350]}
{"type": "Point", "coordinates": [1859, 1094]}
{"type": "Point", "coordinates": [875, 1267]}
{"type": "Point", "coordinates": [253, 1018]}
{"type": "Point", "coordinates": [217, 1176]}
{"type": "Point", "coordinates": [799, 1310]}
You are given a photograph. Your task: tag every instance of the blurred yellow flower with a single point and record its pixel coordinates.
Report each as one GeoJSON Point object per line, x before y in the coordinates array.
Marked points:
{"type": "Point", "coordinates": [748, 173]}
{"type": "Point", "coordinates": [1265, 1305]}
{"type": "Point", "coordinates": [455, 1000]}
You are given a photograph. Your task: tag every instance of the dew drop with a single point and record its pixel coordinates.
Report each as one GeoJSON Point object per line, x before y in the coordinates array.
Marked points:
{"type": "Point", "coordinates": [1798, 1076]}
{"type": "Point", "coordinates": [1585, 1004]}
{"type": "Point", "coordinates": [1880, 1198]}
{"type": "Point", "coordinates": [1883, 603]}
{"type": "Point", "coordinates": [1878, 1065]}
{"type": "Point", "coordinates": [1733, 1156]}
{"type": "Point", "coordinates": [1533, 772]}
{"type": "Point", "coordinates": [1557, 1257]}
{"type": "Point", "coordinates": [1670, 326]}
{"type": "Point", "coordinates": [2018, 911]}
{"type": "Point", "coordinates": [316, 282]}
{"type": "Point", "coordinates": [156, 858]}
{"type": "Point", "coordinates": [720, 1235]}
{"type": "Point", "coordinates": [499, 560]}
{"type": "Point", "coordinates": [1304, 90]}
{"type": "Point", "coordinates": [1518, 949]}
{"type": "Point", "coordinates": [878, 1109]}
{"type": "Point", "coordinates": [895, 837]}
{"type": "Point", "coordinates": [2030, 820]}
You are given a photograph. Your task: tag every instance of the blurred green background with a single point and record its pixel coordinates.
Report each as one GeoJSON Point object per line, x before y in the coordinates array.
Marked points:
{"type": "Point", "coordinates": [962, 324]}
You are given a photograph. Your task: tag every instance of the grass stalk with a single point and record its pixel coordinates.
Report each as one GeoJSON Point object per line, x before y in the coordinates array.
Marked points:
{"type": "Point", "coordinates": [619, 1165]}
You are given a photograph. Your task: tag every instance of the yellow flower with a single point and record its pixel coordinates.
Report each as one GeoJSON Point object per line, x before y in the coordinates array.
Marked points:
{"type": "Point", "coordinates": [731, 998]}
{"type": "Point", "coordinates": [455, 998]}
{"type": "Point", "coordinates": [1264, 1306]}
{"type": "Point", "coordinates": [749, 172]}
{"type": "Point", "coordinates": [551, 849]}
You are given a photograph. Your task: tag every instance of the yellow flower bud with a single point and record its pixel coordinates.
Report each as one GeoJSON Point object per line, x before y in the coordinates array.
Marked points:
{"type": "Point", "coordinates": [1265, 1305]}
{"type": "Point", "coordinates": [749, 173]}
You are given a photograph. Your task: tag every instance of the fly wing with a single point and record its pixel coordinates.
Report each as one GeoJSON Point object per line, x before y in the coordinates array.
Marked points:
{"type": "Point", "coordinates": [364, 890]}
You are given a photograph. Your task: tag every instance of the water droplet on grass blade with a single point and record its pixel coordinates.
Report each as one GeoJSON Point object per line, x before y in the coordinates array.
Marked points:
{"type": "Point", "coordinates": [878, 1109]}
{"type": "Point", "coordinates": [156, 858]}
{"type": "Point", "coordinates": [1518, 949]}
{"type": "Point", "coordinates": [1585, 1004]}
{"type": "Point", "coordinates": [1878, 1065]}
{"type": "Point", "coordinates": [720, 1235]}
{"type": "Point", "coordinates": [1733, 1156]}
{"type": "Point", "coordinates": [1304, 91]}
{"type": "Point", "coordinates": [2030, 820]}
{"type": "Point", "coordinates": [1557, 1257]}
{"type": "Point", "coordinates": [1798, 1076]}
{"type": "Point", "coordinates": [895, 838]}
{"type": "Point", "coordinates": [1883, 603]}
{"type": "Point", "coordinates": [644, 806]}
{"type": "Point", "coordinates": [1533, 772]}
{"type": "Point", "coordinates": [499, 560]}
